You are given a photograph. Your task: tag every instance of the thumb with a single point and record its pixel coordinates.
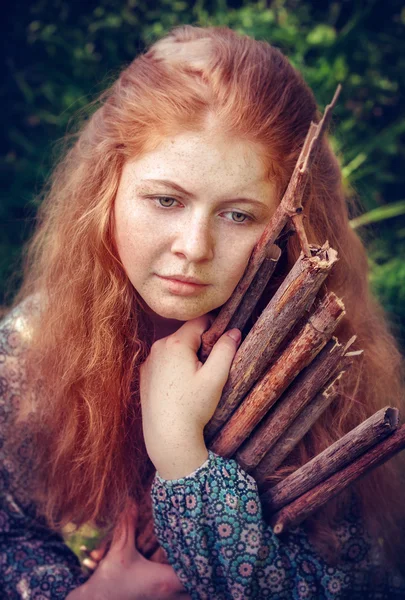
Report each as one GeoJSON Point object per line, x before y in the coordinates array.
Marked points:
{"type": "Point", "coordinates": [218, 364]}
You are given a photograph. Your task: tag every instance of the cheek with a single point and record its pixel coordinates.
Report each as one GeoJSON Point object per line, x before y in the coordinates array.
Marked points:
{"type": "Point", "coordinates": [134, 236]}
{"type": "Point", "coordinates": [235, 257]}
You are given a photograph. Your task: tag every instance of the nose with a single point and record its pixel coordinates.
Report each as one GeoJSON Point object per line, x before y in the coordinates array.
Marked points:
{"type": "Point", "coordinates": [194, 240]}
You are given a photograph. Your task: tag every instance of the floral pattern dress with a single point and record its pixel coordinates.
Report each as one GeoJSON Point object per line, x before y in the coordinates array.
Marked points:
{"type": "Point", "coordinates": [35, 562]}
{"type": "Point", "coordinates": [211, 526]}
{"type": "Point", "coordinates": [209, 523]}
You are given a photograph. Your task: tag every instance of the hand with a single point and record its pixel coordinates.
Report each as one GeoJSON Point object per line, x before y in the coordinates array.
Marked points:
{"type": "Point", "coordinates": [124, 574]}
{"type": "Point", "coordinates": [179, 394]}
{"type": "Point", "coordinates": [93, 557]}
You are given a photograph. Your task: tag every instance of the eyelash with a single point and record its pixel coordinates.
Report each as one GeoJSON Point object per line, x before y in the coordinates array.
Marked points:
{"type": "Point", "coordinates": [248, 218]}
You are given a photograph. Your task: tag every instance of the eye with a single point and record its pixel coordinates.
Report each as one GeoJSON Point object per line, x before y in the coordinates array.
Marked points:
{"type": "Point", "coordinates": [238, 217]}
{"type": "Point", "coordinates": [165, 201]}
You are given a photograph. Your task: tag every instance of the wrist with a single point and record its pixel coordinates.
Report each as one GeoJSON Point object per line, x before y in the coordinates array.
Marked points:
{"type": "Point", "coordinates": [179, 457]}
{"type": "Point", "coordinates": [90, 590]}
{"type": "Point", "coordinates": [79, 593]}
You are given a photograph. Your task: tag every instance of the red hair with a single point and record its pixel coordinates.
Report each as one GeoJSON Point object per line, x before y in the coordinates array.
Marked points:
{"type": "Point", "coordinates": [92, 331]}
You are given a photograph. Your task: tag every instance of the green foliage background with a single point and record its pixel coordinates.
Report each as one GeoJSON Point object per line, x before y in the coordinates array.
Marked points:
{"type": "Point", "coordinates": [60, 54]}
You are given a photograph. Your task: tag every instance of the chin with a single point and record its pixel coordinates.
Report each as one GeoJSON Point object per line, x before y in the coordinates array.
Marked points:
{"type": "Point", "coordinates": [182, 313]}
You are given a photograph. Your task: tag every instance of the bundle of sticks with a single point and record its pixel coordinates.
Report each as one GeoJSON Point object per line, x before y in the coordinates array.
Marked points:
{"type": "Point", "coordinates": [287, 371]}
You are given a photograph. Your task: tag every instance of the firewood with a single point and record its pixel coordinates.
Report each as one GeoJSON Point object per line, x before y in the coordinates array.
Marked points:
{"type": "Point", "coordinates": [301, 508]}
{"type": "Point", "coordinates": [309, 340]}
{"type": "Point", "coordinates": [294, 296]}
{"type": "Point", "coordinates": [256, 289]}
{"type": "Point", "coordinates": [294, 434]}
{"type": "Point", "coordinates": [326, 364]}
{"type": "Point", "coordinates": [289, 207]}
{"type": "Point", "coordinates": [337, 456]}
{"type": "Point", "coordinates": [300, 404]}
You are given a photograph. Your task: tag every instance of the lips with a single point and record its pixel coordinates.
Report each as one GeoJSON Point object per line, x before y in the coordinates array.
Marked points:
{"type": "Point", "coordinates": [186, 286]}
{"type": "Point", "coordinates": [183, 279]}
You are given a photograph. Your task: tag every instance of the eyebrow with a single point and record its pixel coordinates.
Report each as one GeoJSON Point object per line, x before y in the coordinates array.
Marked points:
{"type": "Point", "coordinates": [181, 190]}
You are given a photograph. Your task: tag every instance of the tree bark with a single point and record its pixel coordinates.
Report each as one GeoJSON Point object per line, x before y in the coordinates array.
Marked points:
{"type": "Point", "coordinates": [310, 339]}
{"type": "Point", "coordinates": [295, 296]}
{"type": "Point", "coordinates": [301, 508]}
{"type": "Point", "coordinates": [294, 434]}
{"type": "Point", "coordinates": [337, 456]}
{"type": "Point", "coordinates": [326, 365]}
{"type": "Point", "coordinates": [256, 289]}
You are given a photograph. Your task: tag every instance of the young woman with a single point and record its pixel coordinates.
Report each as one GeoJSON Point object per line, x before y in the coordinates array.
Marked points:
{"type": "Point", "coordinates": [147, 226]}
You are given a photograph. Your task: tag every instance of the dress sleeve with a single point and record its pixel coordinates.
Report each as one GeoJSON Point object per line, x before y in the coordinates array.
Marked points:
{"type": "Point", "coordinates": [34, 561]}
{"type": "Point", "coordinates": [211, 526]}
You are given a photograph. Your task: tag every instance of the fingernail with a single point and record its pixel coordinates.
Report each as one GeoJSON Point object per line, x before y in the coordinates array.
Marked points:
{"type": "Point", "coordinates": [235, 334]}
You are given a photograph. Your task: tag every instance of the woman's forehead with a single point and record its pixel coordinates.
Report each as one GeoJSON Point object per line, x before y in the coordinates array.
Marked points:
{"type": "Point", "coordinates": [202, 159]}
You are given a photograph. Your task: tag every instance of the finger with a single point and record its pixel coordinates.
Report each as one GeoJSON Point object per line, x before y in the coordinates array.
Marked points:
{"type": "Point", "coordinates": [98, 553]}
{"type": "Point", "coordinates": [90, 564]}
{"type": "Point", "coordinates": [190, 332]}
{"type": "Point", "coordinates": [218, 364]}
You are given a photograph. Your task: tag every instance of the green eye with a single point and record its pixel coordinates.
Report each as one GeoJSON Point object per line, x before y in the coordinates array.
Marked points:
{"type": "Point", "coordinates": [239, 217]}
{"type": "Point", "coordinates": [165, 201]}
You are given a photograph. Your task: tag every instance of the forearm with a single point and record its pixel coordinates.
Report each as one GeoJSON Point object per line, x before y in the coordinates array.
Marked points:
{"type": "Point", "coordinates": [177, 456]}
{"type": "Point", "coordinates": [89, 591]}
{"type": "Point", "coordinates": [80, 593]}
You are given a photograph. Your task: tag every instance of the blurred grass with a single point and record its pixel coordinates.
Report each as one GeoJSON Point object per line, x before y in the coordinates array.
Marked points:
{"type": "Point", "coordinates": [85, 536]}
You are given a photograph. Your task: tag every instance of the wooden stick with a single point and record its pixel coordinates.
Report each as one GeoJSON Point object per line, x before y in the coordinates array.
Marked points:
{"type": "Point", "coordinates": [290, 205]}
{"type": "Point", "coordinates": [336, 457]}
{"type": "Point", "coordinates": [295, 295]}
{"type": "Point", "coordinates": [327, 364]}
{"type": "Point", "coordinates": [302, 424]}
{"type": "Point", "coordinates": [307, 343]}
{"type": "Point", "coordinates": [256, 289]}
{"type": "Point", "coordinates": [305, 505]}
{"type": "Point", "coordinates": [302, 236]}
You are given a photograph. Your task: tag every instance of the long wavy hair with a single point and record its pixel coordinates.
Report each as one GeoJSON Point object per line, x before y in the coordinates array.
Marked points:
{"type": "Point", "coordinates": [92, 333]}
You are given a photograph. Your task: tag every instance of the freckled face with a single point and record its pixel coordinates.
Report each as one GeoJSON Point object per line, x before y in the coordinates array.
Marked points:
{"type": "Point", "coordinates": [193, 208]}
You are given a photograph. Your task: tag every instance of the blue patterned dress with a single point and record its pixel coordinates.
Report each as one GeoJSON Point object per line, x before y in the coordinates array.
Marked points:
{"type": "Point", "coordinates": [34, 561]}
{"type": "Point", "coordinates": [209, 523]}
{"type": "Point", "coordinates": [211, 526]}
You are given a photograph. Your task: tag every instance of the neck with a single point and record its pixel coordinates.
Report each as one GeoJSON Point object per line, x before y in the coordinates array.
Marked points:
{"type": "Point", "coordinates": [163, 327]}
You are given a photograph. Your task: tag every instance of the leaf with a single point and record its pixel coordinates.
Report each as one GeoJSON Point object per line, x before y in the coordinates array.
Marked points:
{"type": "Point", "coordinates": [322, 35]}
{"type": "Point", "coordinates": [381, 213]}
